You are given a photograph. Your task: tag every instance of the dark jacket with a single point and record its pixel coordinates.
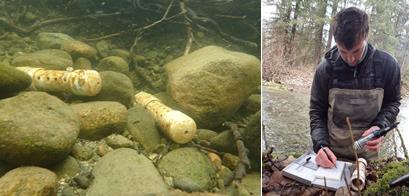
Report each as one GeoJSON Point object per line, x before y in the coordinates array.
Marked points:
{"type": "Point", "coordinates": [333, 72]}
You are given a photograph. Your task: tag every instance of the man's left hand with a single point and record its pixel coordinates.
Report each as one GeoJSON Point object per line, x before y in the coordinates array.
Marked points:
{"type": "Point", "coordinates": [375, 144]}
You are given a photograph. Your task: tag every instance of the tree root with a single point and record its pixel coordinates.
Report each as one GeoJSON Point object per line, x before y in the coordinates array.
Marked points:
{"type": "Point", "coordinates": [140, 30]}
{"type": "Point", "coordinates": [28, 30]}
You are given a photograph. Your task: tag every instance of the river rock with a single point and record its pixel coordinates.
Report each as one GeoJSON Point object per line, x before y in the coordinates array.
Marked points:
{"type": "Point", "coordinates": [166, 99]}
{"type": "Point", "coordinates": [125, 172]}
{"type": "Point", "coordinates": [99, 119]}
{"type": "Point", "coordinates": [124, 54]}
{"type": "Point", "coordinates": [250, 185]}
{"type": "Point", "coordinates": [34, 181]}
{"type": "Point", "coordinates": [226, 174]}
{"type": "Point", "coordinates": [36, 129]}
{"type": "Point", "coordinates": [82, 63]}
{"type": "Point", "coordinates": [103, 47]}
{"type": "Point", "coordinates": [79, 49]}
{"type": "Point", "coordinates": [4, 168]}
{"type": "Point", "coordinates": [12, 80]}
{"type": "Point", "coordinates": [205, 134]}
{"type": "Point", "coordinates": [49, 59]}
{"type": "Point", "coordinates": [251, 105]}
{"type": "Point", "coordinates": [67, 168]}
{"type": "Point", "coordinates": [113, 63]}
{"type": "Point", "coordinates": [142, 127]}
{"type": "Point", "coordinates": [118, 141]}
{"type": "Point", "coordinates": [224, 142]}
{"type": "Point", "coordinates": [189, 169]}
{"type": "Point", "coordinates": [67, 43]}
{"type": "Point", "coordinates": [83, 151]}
{"type": "Point", "coordinates": [211, 83]}
{"type": "Point", "coordinates": [115, 87]}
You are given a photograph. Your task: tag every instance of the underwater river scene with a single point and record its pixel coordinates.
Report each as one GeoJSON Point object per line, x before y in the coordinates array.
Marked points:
{"type": "Point", "coordinates": [130, 97]}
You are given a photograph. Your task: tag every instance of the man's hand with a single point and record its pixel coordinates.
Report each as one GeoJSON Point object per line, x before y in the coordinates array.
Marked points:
{"type": "Point", "coordinates": [323, 160]}
{"type": "Point", "coordinates": [375, 144]}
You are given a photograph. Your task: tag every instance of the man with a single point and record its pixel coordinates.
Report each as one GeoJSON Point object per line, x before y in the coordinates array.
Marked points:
{"type": "Point", "coordinates": [357, 81]}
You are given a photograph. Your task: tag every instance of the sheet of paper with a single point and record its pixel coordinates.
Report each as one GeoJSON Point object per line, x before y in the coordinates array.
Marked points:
{"type": "Point", "coordinates": [331, 173]}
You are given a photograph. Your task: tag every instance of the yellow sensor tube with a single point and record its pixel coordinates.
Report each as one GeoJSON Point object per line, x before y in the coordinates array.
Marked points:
{"type": "Point", "coordinates": [179, 127]}
{"type": "Point", "coordinates": [78, 82]}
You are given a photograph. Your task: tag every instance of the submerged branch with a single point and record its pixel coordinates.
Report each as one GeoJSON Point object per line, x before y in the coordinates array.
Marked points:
{"type": "Point", "coordinates": [244, 163]}
{"type": "Point", "coordinates": [27, 30]}
{"type": "Point", "coordinates": [187, 22]}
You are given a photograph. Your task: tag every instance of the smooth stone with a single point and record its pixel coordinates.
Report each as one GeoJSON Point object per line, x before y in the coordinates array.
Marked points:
{"type": "Point", "coordinates": [211, 83]}
{"type": "Point", "coordinates": [115, 87]}
{"type": "Point", "coordinates": [82, 63]}
{"type": "Point", "coordinates": [52, 59]}
{"type": "Point", "coordinates": [113, 63]}
{"type": "Point", "coordinates": [142, 127]}
{"type": "Point", "coordinates": [99, 119]}
{"type": "Point", "coordinates": [189, 169]}
{"type": "Point", "coordinates": [12, 81]}
{"type": "Point", "coordinates": [118, 141]}
{"type": "Point", "coordinates": [34, 181]}
{"type": "Point", "coordinates": [67, 168]}
{"type": "Point", "coordinates": [36, 129]}
{"type": "Point", "coordinates": [125, 172]}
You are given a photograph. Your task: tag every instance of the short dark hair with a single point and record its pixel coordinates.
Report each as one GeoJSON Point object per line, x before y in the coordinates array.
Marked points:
{"type": "Point", "coordinates": [350, 25]}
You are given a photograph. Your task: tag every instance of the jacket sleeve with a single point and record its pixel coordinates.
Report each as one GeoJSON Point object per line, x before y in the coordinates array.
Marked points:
{"type": "Point", "coordinates": [319, 108]}
{"type": "Point", "coordinates": [392, 96]}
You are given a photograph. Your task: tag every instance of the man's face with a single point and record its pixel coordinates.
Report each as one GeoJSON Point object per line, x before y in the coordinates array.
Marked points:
{"type": "Point", "coordinates": [353, 55]}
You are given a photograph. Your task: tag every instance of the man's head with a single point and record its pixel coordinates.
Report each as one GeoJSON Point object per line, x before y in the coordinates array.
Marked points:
{"type": "Point", "coordinates": [350, 33]}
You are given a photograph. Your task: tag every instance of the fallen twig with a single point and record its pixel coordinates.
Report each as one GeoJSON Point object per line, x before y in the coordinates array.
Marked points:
{"type": "Point", "coordinates": [353, 149]}
{"type": "Point", "coordinates": [405, 151]}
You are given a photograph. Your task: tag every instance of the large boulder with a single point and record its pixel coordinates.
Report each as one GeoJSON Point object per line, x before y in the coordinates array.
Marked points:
{"type": "Point", "coordinates": [49, 59]}
{"type": "Point", "coordinates": [99, 119]}
{"type": "Point", "coordinates": [67, 43]}
{"type": "Point", "coordinates": [211, 83]}
{"type": "Point", "coordinates": [125, 172]}
{"type": "Point", "coordinates": [143, 128]}
{"type": "Point", "coordinates": [115, 87]}
{"type": "Point", "coordinates": [36, 129]}
{"type": "Point", "coordinates": [189, 169]}
{"type": "Point", "coordinates": [33, 181]}
{"type": "Point", "coordinates": [12, 80]}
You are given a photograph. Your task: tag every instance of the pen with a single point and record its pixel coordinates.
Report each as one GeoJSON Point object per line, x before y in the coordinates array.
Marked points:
{"type": "Point", "coordinates": [306, 161]}
{"type": "Point", "coordinates": [326, 153]}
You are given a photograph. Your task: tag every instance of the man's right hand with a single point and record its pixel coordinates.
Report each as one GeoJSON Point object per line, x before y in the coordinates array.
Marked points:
{"type": "Point", "coordinates": [323, 160]}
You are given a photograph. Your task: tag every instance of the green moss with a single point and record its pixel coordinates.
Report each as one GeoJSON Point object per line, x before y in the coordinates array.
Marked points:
{"type": "Point", "coordinates": [276, 86]}
{"type": "Point", "coordinates": [392, 171]}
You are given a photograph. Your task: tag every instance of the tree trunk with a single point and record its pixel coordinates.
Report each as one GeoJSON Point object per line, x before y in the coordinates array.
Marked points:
{"type": "Point", "coordinates": [331, 30]}
{"type": "Point", "coordinates": [322, 4]}
{"type": "Point", "coordinates": [286, 18]}
{"type": "Point", "coordinates": [294, 27]}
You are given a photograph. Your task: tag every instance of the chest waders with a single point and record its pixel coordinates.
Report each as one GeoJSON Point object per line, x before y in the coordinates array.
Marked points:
{"type": "Point", "coordinates": [361, 106]}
